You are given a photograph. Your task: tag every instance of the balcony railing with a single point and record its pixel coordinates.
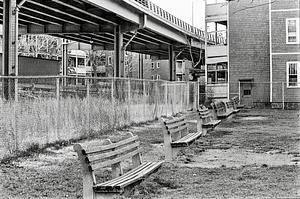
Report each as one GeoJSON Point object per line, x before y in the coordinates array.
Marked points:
{"type": "Point", "coordinates": [174, 20]}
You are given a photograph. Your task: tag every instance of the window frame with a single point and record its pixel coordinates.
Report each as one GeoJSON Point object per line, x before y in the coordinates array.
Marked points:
{"type": "Point", "coordinates": [152, 65]}
{"type": "Point", "coordinates": [297, 31]}
{"type": "Point", "coordinates": [215, 71]}
{"type": "Point", "coordinates": [298, 74]}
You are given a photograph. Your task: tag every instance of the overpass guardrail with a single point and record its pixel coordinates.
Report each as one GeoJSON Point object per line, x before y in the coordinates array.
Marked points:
{"type": "Point", "coordinates": [178, 22]}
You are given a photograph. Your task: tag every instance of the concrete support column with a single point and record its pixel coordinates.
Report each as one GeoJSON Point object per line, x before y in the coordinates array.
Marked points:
{"type": "Point", "coordinates": [172, 63]}
{"type": "Point", "coordinates": [141, 66]}
{"type": "Point", "coordinates": [10, 45]}
{"type": "Point", "coordinates": [118, 53]}
{"type": "Point", "coordinates": [64, 60]}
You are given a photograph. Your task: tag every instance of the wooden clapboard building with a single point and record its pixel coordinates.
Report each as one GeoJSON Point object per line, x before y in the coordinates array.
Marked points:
{"type": "Point", "coordinates": [260, 57]}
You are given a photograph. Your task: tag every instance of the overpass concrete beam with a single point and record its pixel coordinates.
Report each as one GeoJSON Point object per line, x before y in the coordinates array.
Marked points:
{"type": "Point", "coordinates": [117, 8]}
{"type": "Point", "coordinates": [67, 28]}
{"type": "Point", "coordinates": [157, 27]}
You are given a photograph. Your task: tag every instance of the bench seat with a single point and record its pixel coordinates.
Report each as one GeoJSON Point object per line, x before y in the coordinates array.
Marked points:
{"type": "Point", "coordinates": [224, 115]}
{"type": "Point", "coordinates": [186, 140]}
{"type": "Point", "coordinates": [211, 124]}
{"type": "Point", "coordinates": [240, 106]}
{"type": "Point", "coordinates": [118, 184]}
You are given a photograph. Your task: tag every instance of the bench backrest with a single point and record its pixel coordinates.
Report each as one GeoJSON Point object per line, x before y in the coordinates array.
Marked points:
{"type": "Point", "coordinates": [205, 115]}
{"type": "Point", "coordinates": [230, 104]}
{"type": "Point", "coordinates": [176, 127]}
{"type": "Point", "coordinates": [98, 155]}
{"type": "Point", "coordinates": [235, 100]}
{"type": "Point", "coordinates": [219, 106]}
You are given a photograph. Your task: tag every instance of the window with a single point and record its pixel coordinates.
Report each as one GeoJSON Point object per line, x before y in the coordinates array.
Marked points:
{"type": "Point", "coordinates": [217, 73]}
{"type": "Point", "coordinates": [152, 65]}
{"type": "Point", "coordinates": [109, 60]}
{"type": "Point", "coordinates": [293, 74]}
{"type": "Point", "coordinates": [247, 92]}
{"type": "Point", "coordinates": [152, 76]}
{"type": "Point", "coordinates": [292, 31]}
{"type": "Point", "coordinates": [157, 65]}
{"type": "Point", "coordinates": [158, 77]}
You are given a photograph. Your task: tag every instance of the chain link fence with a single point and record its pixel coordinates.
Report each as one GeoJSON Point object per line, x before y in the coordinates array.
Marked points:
{"type": "Point", "coordinates": [253, 94]}
{"type": "Point", "coordinates": [42, 110]}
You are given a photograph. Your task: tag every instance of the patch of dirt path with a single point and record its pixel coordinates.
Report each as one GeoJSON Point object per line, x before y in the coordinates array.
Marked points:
{"type": "Point", "coordinates": [252, 155]}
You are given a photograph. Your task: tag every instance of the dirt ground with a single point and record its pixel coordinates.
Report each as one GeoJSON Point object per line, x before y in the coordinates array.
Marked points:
{"type": "Point", "coordinates": [254, 154]}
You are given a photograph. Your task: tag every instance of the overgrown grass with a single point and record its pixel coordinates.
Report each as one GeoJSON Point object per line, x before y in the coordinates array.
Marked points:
{"type": "Point", "coordinates": [42, 121]}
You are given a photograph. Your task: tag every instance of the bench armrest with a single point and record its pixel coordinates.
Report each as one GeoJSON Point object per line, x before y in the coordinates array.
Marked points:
{"type": "Point", "coordinates": [192, 121]}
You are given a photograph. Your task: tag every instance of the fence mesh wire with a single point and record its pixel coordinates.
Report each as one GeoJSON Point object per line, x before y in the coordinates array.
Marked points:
{"type": "Point", "coordinates": [42, 110]}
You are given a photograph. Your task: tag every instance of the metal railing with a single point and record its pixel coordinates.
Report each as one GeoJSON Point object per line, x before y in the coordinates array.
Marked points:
{"type": "Point", "coordinates": [174, 20]}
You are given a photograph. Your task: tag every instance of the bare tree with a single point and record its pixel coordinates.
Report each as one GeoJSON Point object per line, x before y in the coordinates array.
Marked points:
{"type": "Point", "coordinates": [43, 46]}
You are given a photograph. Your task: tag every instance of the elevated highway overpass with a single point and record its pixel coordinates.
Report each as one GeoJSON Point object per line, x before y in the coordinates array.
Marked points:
{"type": "Point", "coordinates": [119, 25]}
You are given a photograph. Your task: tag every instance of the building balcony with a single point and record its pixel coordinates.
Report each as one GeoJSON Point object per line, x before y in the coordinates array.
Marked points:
{"type": "Point", "coordinates": [217, 12]}
{"type": "Point", "coordinates": [217, 51]}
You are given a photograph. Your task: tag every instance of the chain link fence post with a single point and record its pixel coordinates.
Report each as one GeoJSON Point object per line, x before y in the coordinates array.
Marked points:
{"type": "Point", "coordinates": [87, 82]}
{"type": "Point", "coordinates": [282, 87]}
{"type": "Point", "coordinates": [239, 91]}
{"type": "Point", "coordinates": [166, 98]}
{"type": "Point", "coordinates": [16, 89]}
{"type": "Point", "coordinates": [144, 98]}
{"type": "Point", "coordinates": [113, 104]}
{"type": "Point", "coordinates": [129, 101]}
{"type": "Point", "coordinates": [187, 95]}
{"type": "Point", "coordinates": [57, 88]}
{"type": "Point", "coordinates": [58, 109]}
{"type": "Point", "coordinates": [198, 93]}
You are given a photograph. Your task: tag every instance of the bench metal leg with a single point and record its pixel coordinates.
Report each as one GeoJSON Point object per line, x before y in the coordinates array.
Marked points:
{"type": "Point", "coordinates": [175, 151]}
{"type": "Point", "coordinates": [204, 131]}
{"type": "Point", "coordinates": [167, 145]}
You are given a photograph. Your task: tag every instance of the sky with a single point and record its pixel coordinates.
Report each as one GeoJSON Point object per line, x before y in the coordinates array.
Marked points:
{"type": "Point", "coordinates": [183, 10]}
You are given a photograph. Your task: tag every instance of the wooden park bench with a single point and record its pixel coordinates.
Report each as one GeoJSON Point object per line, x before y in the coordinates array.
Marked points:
{"type": "Point", "coordinates": [207, 121]}
{"type": "Point", "coordinates": [231, 106]}
{"type": "Point", "coordinates": [95, 157]}
{"type": "Point", "coordinates": [177, 136]}
{"type": "Point", "coordinates": [220, 109]}
{"type": "Point", "coordinates": [236, 103]}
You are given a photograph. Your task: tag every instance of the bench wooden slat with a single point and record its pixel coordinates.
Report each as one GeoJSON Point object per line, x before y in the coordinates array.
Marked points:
{"type": "Point", "coordinates": [129, 178]}
{"type": "Point", "coordinates": [174, 120]}
{"type": "Point", "coordinates": [177, 129]}
{"type": "Point", "coordinates": [96, 149]}
{"type": "Point", "coordinates": [184, 141]}
{"type": "Point", "coordinates": [150, 168]}
{"type": "Point", "coordinates": [96, 166]}
{"type": "Point", "coordinates": [98, 157]}
{"type": "Point", "coordinates": [175, 125]}
{"type": "Point", "coordinates": [204, 116]}
{"type": "Point", "coordinates": [130, 173]}
{"type": "Point", "coordinates": [212, 123]}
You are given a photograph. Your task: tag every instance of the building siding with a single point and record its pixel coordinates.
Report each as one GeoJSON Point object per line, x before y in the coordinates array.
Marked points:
{"type": "Point", "coordinates": [280, 76]}
{"type": "Point", "coordinates": [278, 27]}
{"type": "Point", "coordinates": [249, 47]}
{"type": "Point", "coordinates": [285, 4]}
